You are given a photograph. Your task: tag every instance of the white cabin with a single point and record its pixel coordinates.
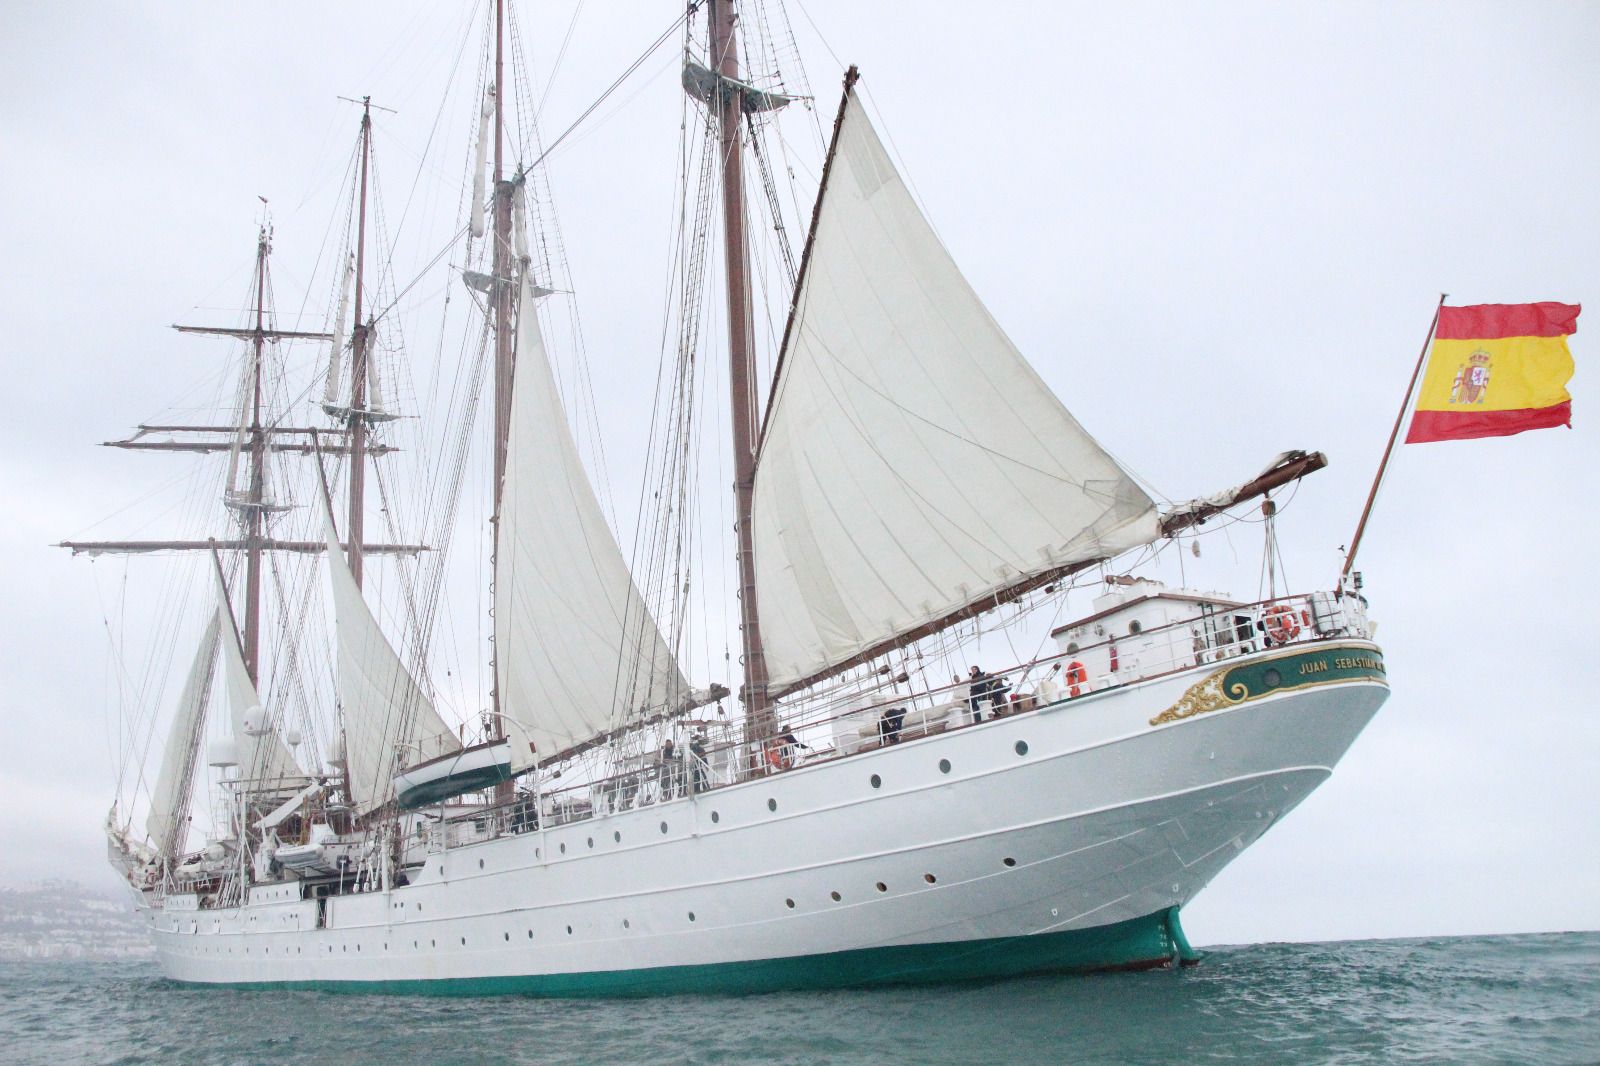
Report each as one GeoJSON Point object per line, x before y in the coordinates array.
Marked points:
{"type": "Point", "coordinates": [1141, 627]}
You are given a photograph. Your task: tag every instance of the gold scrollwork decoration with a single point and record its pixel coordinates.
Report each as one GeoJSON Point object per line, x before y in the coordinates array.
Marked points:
{"type": "Point", "coordinates": [1203, 696]}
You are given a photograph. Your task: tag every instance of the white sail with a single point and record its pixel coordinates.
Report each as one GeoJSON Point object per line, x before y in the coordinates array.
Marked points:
{"type": "Point", "coordinates": [330, 388]}
{"type": "Point", "coordinates": [475, 211]}
{"type": "Point", "coordinates": [261, 751]}
{"type": "Point", "coordinates": [913, 463]}
{"type": "Point", "coordinates": [389, 721]}
{"type": "Point", "coordinates": [576, 650]}
{"type": "Point", "coordinates": [169, 798]}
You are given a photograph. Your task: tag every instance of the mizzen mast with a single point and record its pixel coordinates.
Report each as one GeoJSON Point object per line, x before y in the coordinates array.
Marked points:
{"type": "Point", "coordinates": [728, 103]}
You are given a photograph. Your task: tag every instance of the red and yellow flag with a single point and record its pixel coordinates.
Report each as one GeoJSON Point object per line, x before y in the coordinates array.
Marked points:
{"type": "Point", "coordinates": [1496, 369]}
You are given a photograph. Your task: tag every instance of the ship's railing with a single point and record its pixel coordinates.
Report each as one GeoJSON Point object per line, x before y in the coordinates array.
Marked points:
{"type": "Point", "coordinates": [891, 708]}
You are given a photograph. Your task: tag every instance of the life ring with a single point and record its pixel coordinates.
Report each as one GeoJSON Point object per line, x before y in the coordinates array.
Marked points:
{"type": "Point", "coordinates": [777, 758]}
{"type": "Point", "coordinates": [1077, 677]}
{"type": "Point", "coordinates": [1281, 623]}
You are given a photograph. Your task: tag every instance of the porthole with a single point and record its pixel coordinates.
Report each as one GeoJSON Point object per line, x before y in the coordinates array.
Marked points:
{"type": "Point", "coordinates": [691, 916]}
{"type": "Point", "coordinates": [772, 804]}
{"type": "Point", "coordinates": [563, 848]}
{"type": "Point", "coordinates": [930, 878]}
{"type": "Point", "coordinates": [835, 896]}
{"type": "Point", "coordinates": [419, 905]}
{"type": "Point", "coordinates": [875, 781]}
{"type": "Point", "coordinates": [625, 924]}
{"type": "Point", "coordinates": [508, 938]}
{"type": "Point", "coordinates": [569, 930]}
{"type": "Point", "coordinates": [433, 943]}
{"type": "Point", "coordinates": [715, 817]}
{"type": "Point", "coordinates": [1135, 627]}
{"type": "Point", "coordinates": [789, 903]}
{"type": "Point", "coordinates": [441, 869]}
{"type": "Point", "coordinates": [1072, 648]}
{"type": "Point", "coordinates": [944, 766]}
{"type": "Point", "coordinates": [530, 934]}
{"type": "Point", "coordinates": [663, 827]}
{"type": "Point", "coordinates": [463, 941]}
{"type": "Point", "coordinates": [1009, 861]}
{"type": "Point", "coordinates": [1272, 678]}
{"type": "Point", "coordinates": [591, 842]}
{"type": "Point", "coordinates": [1022, 747]}
{"type": "Point", "coordinates": [617, 836]}
{"type": "Point", "coordinates": [882, 887]}
{"type": "Point", "coordinates": [413, 945]}
{"type": "Point", "coordinates": [480, 864]}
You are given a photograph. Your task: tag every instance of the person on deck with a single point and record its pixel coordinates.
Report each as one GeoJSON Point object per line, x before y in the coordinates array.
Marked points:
{"type": "Point", "coordinates": [977, 692]}
{"type": "Point", "coordinates": [697, 760]}
{"type": "Point", "coordinates": [788, 742]}
{"type": "Point", "coordinates": [889, 724]}
{"type": "Point", "coordinates": [667, 771]}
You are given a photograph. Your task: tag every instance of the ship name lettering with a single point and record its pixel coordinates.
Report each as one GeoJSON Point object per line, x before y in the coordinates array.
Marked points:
{"type": "Point", "coordinates": [1363, 662]}
{"type": "Point", "coordinates": [1315, 667]}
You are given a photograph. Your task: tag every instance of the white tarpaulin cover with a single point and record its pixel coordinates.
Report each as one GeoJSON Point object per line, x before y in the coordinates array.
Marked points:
{"type": "Point", "coordinates": [388, 720]}
{"type": "Point", "coordinates": [576, 649]}
{"type": "Point", "coordinates": [167, 799]}
{"type": "Point", "coordinates": [913, 463]}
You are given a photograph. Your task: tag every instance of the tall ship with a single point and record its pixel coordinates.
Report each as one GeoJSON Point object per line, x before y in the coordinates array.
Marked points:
{"type": "Point", "coordinates": [331, 802]}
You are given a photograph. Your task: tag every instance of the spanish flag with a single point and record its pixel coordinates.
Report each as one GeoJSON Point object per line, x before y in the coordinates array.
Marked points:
{"type": "Point", "coordinates": [1496, 369]}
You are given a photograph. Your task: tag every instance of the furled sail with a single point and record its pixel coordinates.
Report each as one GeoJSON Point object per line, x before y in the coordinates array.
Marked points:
{"type": "Point", "coordinates": [576, 649]}
{"type": "Point", "coordinates": [389, 721]}
{"type": "Point", "coordinates": [913, 464]}
{"type": "Point", "coordinates": [169, 800]}
{"type": "Point", "coordinates": [261, 751]}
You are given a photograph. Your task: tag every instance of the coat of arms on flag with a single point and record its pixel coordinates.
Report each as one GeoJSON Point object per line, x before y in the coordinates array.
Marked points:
{"type": "Point", "coordinates": [1495, 370]}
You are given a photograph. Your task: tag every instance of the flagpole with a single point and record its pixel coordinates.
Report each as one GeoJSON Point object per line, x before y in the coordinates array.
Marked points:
{"type": "Point", "coordinates": [1394, 434]}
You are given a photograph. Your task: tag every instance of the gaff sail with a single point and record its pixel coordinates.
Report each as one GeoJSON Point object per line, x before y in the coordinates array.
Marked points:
{"type": "Point", "coordinates": [912, 464]}
{"type": "Point", "coordinates": [388, 720]}
{"type": "Point", "coordinates": [261, 752]}
{"type": "Point", "coordinates": [577, 652]}
{"type": "Point", "coordinates": [169, 800]}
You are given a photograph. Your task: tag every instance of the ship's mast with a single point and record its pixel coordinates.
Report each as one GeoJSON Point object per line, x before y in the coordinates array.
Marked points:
{"type": "Point", "coordinates": [728, 103]}
{"type": "Point", "coordinates": [255, 506]}
{"type": "Point", "coordinates": [504, 354]}
{"type": "Point", "coordinates": [359, 340]}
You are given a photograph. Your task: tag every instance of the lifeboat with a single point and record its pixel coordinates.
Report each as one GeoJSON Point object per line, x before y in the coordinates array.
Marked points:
{"type": "Point", "coordinates": [449, 775]}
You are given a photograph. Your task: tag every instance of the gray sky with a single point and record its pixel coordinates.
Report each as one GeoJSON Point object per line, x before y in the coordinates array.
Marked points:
{"type": "Point", "coordinates": [1218, 231]}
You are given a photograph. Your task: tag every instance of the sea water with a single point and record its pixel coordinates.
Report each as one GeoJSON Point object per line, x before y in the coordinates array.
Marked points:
{"type": "Point", "coordinates": [1518, 999]}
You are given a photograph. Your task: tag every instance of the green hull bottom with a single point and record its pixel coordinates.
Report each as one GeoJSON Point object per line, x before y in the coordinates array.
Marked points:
{"type": "Point", "coordinates": [1142, 943]}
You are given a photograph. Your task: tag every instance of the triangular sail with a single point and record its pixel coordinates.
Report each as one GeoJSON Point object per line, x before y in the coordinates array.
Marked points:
{"type": "Point", "coordinates": [913, 464]}
{"type": "Point", "coordinates": [389, 722]}
{"type": "Point", "coordinates": [576, 649]}
{"type": "Point", "coordinates": [169, 800]}
{"type": "Point", "coordinates": [261, 752]}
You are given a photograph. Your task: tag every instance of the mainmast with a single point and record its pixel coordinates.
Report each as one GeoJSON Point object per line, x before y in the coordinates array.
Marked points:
{"type": "Point", "coordinates": [359, 340]}
{"type": "Point", "coordinates": [504, 352]}
{"type": "Point", "coordinates": [728, 103]}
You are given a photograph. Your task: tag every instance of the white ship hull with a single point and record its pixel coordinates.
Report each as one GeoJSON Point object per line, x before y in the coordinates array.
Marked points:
{"type": "Point", "coordinates": [1079, 828]}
